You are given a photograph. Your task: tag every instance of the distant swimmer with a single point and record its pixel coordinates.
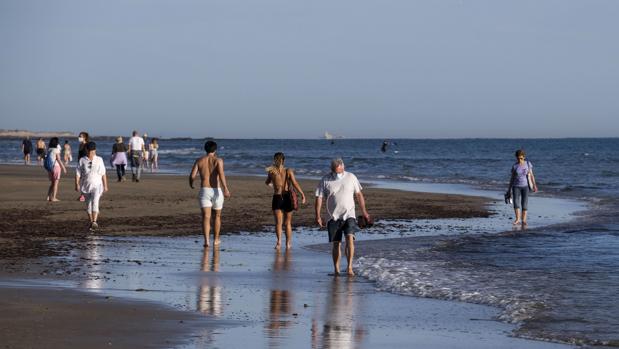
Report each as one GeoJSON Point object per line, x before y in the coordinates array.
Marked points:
{"type": "Point", "coordinates": [383, 147]}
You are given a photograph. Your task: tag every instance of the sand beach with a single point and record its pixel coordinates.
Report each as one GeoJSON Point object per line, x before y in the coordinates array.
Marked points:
{"type": "Point", "coordinates": [144, 279]}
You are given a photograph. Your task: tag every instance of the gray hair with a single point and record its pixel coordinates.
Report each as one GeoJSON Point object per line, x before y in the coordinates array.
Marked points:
{"type": "Point", "coordinates": [336, 162]}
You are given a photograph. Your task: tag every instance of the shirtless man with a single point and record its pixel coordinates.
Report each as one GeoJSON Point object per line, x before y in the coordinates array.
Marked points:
{"type": "Point", "coordinates": [211, 169]}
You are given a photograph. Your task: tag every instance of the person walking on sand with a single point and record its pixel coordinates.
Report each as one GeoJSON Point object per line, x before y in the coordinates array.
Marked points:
{"type": "Point", "coordinates": [136, 156]}
{"type": "Point", "coordinates": [67, 152]}
{"type": "Point", "coordinates": [153, 149]}
{"type": "Point", "coordinates": [40, 151]}
{"type": "Point", "coordinates": [26, 148]}
{"type": "Point", "coordinates": [119, 158]}
{"type": "Point", "coordinates": [283, 181]}
{"type": "Point", "coordinates": [146, 158]}
{"type": "Point", "coordinates": [91, 181]}
{"type": "Point", "coordinates": [53, 153]}
{"type": "Point", "coordinates": [521, 181]}
{"type": "Point", "coordinates": [83, 138]}
{"type": "Point", "coordinates": [340, 189]}
{"type": "Point", "coordinates": [212, 179]}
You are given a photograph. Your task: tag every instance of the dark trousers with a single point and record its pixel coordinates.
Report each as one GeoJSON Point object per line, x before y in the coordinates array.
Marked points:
{"type": "Point", "coordinates": [120, 171]}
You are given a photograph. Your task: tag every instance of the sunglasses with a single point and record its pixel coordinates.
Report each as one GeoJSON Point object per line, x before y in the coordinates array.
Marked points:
{"type": "Point", "coordinates": [90, 164]}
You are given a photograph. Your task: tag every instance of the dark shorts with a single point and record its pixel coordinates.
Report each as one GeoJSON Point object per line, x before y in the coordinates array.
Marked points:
{"type": "Point", "coordinates": [340, 227]}
{"type": "Point", "coordinates": [282, 202]}
{"type": "Point", "coordinates": [41, 152]}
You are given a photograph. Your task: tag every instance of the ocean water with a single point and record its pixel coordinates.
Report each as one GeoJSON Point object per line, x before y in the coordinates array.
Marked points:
{"type": "Point", "coordinates": [572, 167]}
{"type": "Point", "coordinates": [559, 282]}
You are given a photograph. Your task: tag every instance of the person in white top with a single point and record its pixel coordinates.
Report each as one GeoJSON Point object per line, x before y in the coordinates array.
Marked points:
{"type": "Point", "coordinates": [340, 189]}
{"type": "Point", "coordinates": [136, 155]}
{"type": "Point", "coordinates": [91, 181]}
{"type": "Point", "coordinates": [54, 175]}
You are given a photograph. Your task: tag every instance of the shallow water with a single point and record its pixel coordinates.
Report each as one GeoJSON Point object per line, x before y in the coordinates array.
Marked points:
{"type": "Point", "coordinates": [560, 284]}
{"type": "Point", "coordinates": [280, 300]}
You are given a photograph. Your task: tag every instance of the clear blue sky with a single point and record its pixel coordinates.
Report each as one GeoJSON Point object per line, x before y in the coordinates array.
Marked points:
{"type": "Point", "coordinates": [293, 69]}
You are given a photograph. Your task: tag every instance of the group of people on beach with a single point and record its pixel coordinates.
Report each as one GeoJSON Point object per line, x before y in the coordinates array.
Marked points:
{"type": "Point", "coordinates": [139, 156]}
{"type": "Point", "coordinates": [337, 190]}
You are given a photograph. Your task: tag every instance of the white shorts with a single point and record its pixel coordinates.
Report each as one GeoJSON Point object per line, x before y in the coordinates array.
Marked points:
{"type": "Point", "coordinates": [211, 197]}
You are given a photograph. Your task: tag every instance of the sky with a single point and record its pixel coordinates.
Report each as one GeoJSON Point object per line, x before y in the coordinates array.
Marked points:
{"type": "Point", "coordinates": [295, 69]}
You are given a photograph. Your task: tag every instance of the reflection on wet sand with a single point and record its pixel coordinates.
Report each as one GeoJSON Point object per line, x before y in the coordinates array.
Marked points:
{"type": "Point", "coordinates": [340, 328]}
{"type": "Point", "coordinates": [280, 301]}
{"type": "Point", "coordinates": [92, 255]}
{"type": "Point", "coordinates": [209, 295]}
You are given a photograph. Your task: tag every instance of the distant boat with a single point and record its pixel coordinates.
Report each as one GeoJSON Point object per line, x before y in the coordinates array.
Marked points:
{"type": "Point", "coordinates": [328, 135]}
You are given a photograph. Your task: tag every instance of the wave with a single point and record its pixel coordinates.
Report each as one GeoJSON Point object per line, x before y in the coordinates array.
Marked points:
{"type": "Point", "coordinates": [557, 285]}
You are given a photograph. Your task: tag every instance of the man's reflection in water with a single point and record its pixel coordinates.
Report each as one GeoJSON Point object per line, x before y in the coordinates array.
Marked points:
{"type": "Point", "coordinates": [209, 296]}
{"type": "Point", "coordinates": [341, 328]}
{"type": "Point", "coordinates": [280, 300]}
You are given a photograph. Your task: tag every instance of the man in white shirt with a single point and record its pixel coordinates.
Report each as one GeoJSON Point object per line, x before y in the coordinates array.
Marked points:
{"type": "Point", "coordinates": [340, 189]}
{"type": "Point", "coordinates": [136, 155]}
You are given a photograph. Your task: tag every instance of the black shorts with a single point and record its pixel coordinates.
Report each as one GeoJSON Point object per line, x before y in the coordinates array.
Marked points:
{"type": "Point", "coordinates": [340, 227]}
{"type": "Point", "coordinates": [282, 202]}
{"type": "Point", "coordinates": [41, 152]}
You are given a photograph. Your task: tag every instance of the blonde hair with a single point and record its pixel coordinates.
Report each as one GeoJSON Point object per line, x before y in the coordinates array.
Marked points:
{"type": "Point", "coordinates": [278, 162]}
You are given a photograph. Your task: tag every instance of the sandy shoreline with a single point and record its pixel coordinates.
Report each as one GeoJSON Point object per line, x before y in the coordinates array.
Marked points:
{"type": "Point", "coordinates": [222, 287]}
{"type": "Point", "coordinates": [166, 205]}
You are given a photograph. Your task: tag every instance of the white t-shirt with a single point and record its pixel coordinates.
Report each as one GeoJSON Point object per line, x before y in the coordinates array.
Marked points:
{"type": "Point", "coordinates": [340, 194]}
{"type": "Point", "coordinates": [136, 143]}
{"type": "Point", "coordinates": [90, 174]}
{"type": "Point", "coordinates": [53, 152]}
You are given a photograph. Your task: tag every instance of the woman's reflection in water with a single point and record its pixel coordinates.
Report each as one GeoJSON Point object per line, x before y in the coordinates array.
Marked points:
{"type": "Point", "coordinates": [280, 300]}
{"type": "Point", "coordinates": [92, 256]}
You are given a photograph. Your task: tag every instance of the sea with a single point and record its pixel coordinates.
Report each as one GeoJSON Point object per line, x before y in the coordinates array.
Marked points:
{"type": "Point", "coordinates": [558, 282]}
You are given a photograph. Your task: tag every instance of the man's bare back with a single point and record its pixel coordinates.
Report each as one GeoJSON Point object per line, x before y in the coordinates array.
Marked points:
{"type": "Point", "coordinates": [208, 167]}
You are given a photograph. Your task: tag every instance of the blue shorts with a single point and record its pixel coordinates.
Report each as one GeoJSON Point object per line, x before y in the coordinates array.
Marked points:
{"type": "Point", "coordinates": [340, 227]}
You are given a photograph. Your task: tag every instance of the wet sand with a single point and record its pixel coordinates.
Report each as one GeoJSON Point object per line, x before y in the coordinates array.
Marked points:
{"type": "Point", "coordinates": [44, 317]}
{"type": "Point", "coordinates": [244, 292]}
{"type": "Point", "coordinates": [165, 205]}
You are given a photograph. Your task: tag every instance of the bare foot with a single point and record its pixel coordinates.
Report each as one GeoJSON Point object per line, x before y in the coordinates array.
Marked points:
{"type": "Point", "coordinates": [336, 273]}
{"type": "Point", "coordinates": [278, 245]}
{"type": "Point", "coordinates": [349, 272]}
{"type": "Point", "coordinates": [288, 245]}
{"type": "Point", "coordinates": [54, 200]}
{"type": "Point", "coordinates": [217, 242]}
{"type": "Point", "coordinates": [524, 222]}
{"type": "Point", "coordinates": [516, 222]}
